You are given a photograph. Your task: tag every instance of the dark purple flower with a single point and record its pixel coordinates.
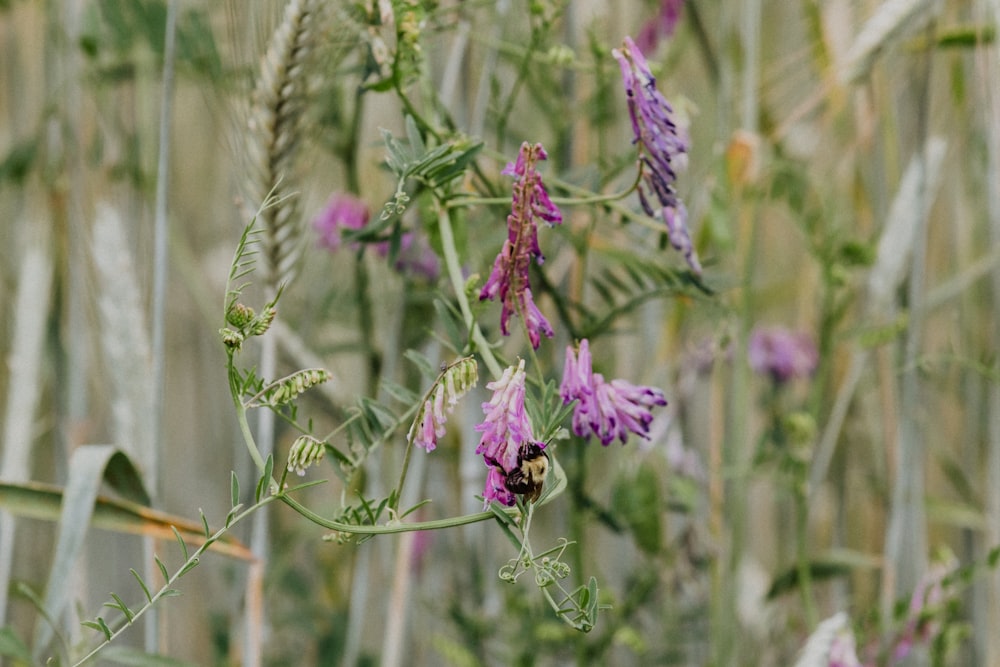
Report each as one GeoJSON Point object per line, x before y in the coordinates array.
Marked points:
{"type": "Point", "coordinates": [662, 149]}
{"type": "Point", "coordinates": [509, 278]}
{"type": "Point", "coordinates": [608, 410]}
{"type": "Point", "coordinates": [660, 26]}
{"type": "Point", "coordinates": [343, 211]}
{"type": "Point", "coordinates": [782, 354]}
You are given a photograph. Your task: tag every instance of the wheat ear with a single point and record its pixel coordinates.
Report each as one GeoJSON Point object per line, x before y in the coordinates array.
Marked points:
{"type": "Point", "coordinates": [275, 128]}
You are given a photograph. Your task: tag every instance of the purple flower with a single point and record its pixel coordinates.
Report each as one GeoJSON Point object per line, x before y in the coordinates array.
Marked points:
{"type": "Point", "coordinates": [506, 433]}
{"type": "Point", "coordinates": [496, 489]}
{"type": "Point", "coordinates": [343, 211]}
{"type": "Point", "coordinates": [509, 278]}
{"type": "Point", "coordinates": [417, 258]}
{"type": "Point", "coordinates": [662, 149]}
{"type": "Point", "coordinates": [782, 354]}
{"type": "Point", "coordinates": [660, 26]}
{"type": "Point", "coordinates": [608, 410]}
{"type": "Point", "coordinates": [506, 425]}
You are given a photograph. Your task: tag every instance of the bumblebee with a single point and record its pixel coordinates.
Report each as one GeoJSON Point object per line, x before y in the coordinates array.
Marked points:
{"type": "Point", "coordinates": [528, 477]}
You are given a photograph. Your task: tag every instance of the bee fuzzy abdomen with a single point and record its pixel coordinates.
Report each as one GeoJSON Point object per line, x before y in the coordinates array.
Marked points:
{"type": "Point", "coordinates": [528, 477]}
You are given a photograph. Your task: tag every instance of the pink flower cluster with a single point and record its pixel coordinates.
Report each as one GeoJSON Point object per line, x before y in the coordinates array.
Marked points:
{"type": "Point", "coordinates": [782, 354]}
{"type": "Point", "coordinates": [509, 277]}
{"type": "Point", "coordinates": [345, 212]}
{"type": "Point", "coordinates": [608, 410]}
{"type": "Point", "coordinates": [506, 433]}
{"type": "Point", "coordinates": [662, 149]}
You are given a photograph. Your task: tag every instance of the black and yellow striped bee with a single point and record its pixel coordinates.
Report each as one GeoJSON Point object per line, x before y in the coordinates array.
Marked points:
{"type": "Point", "coordinates": [529, 476]}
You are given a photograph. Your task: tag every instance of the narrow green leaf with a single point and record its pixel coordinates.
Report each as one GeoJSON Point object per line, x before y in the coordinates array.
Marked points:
{"type": "Point", "coordinates": [163, 569]}
{"type": "Point", "coordinates": [399, 392]}
{"type": "Point", "coordinates": [180, 541]}
{"type": "Point", "coordinates": [122, 607]}
{"type": "Point", "coordinates": [142, 584]}
{"type": "Point", "coordinates": [170, 593]}
{"type": "Point", "coordinates": [204, 524]}
{"type": "Point", "coordinates": [100, 626]}
{"type": "Point", "coordinates": [261, 485]}
{"type": "Point", "coordinates": [234, 490]}
{"type": "Point", "coordinates": [266, 478]}
{"type": "Point", "coordinates": [592, 594]}
{"type": "Point", "coordinates": [413, 135]}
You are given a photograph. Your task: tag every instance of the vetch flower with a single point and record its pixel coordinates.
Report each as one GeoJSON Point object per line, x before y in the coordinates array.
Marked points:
{"type": "Point", "coordinates": [507, 437]}
{"type": "Point", "coordinates": [343, 211]}
{"type": "Point", "coordinates": [506, 425]}
{"type": "Point", "coordinates": [496, 489]}
{"type": "Point", "coordinates": [453, 383]}
{"type": "Point", "coordinates": [509, 278]}
{"type": "Point", "coordinates": [660, 26]}
{"type": "Point", "coordinates": [781, 353]}
{"type": "Point", "coordinates": [608, 410]}
{"type": "Point", "coordinates": [662, 149]}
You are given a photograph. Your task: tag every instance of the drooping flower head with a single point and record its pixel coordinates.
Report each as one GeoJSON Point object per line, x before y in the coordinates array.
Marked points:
{"type": "Point", "coordinates": [662, 149]}
{"type": "Point", "coordinates": [782, 354]}
{"type": "Point", "coordinates": [453, 383]}
{"type": "Point", "coordinates": [608, 410]}
{"type": "Point", "coordinates": [507, 435]}
{"type": "Point", "coordinates": [509, 278]}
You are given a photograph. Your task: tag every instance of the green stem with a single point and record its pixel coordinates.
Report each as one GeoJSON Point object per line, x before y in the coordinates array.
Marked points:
{"type": "Point", "coordinates": [402, 475]}
{"type": "Point", "coordinates": [802, 557]}
{"type": "Point", "coordinates": [366, 323]}
{"type": "Point", "coordinates": [241, 416]}
{"type": "Point", "coordinates": [455, 275]}
{"type": "Point", "coordinates": [387, 529]}
{"type": "Point", "coordinates": [167, 589]}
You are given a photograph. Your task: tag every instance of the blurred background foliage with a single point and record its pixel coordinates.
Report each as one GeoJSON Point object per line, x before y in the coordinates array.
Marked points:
{"type": "Point", "coordinates": [754, 511]}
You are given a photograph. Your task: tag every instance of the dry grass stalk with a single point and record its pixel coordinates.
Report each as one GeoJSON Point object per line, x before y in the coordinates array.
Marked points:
{"type": "Point", "coordinates": [275, 132]}
{"type": "Point", "coordinates": [31, 311]}
{"type": "Point", "coordinates": [892, 20]}
{"type": "Point", "coordinates": [125, 340]}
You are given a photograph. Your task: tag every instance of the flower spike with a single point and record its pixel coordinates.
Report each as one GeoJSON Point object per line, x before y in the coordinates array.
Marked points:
{"type": "Point", "coordinates": [509, 277]}
{"type": "Point", "coordinates": [608, 410]}
{"type": "Point", "coordinates": [662, 149]}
